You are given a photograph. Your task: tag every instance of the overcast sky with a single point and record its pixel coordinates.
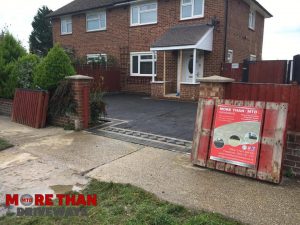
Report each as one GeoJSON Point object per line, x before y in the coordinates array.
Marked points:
{"type": "Point", "coordinates": [282, 32]}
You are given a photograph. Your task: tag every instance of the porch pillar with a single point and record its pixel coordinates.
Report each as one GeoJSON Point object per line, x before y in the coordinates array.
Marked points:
{"type": "Point", "coordinates": [164, 79]}
{"type": "Point", "coordinates": [179, 71]}
{"type": "Point", "coordinates": [194, 65]}
{"type": "Point", "coordinates": [153, 64]}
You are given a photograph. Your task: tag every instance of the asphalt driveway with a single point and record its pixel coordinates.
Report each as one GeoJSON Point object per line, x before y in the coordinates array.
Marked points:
{"type": "Point", "coordinates": [161, 117]}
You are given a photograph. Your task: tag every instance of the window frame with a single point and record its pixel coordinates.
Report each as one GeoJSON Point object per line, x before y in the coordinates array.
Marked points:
{"type": "Point", "coordinates": [98, 14]}
{"type": "Point", "coordinates": [229, 52]}
{"type": "Point", "coordinates": [96, 55]}
{"type": "Point", "coordinates": [138, 6]}
{"type": "Point", "coordinates": [64, 21]}
{"type": "Point", "coordinates": [193, 6]}
{"type": "Point", "coordinates": [252, 19]}
{"type": "Point", "coordinates": [139, 54]}
{"type": "Point", "coordinates": [252, 58]}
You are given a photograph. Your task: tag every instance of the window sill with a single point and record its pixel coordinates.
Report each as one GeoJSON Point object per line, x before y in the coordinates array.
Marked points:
{"type": "Point", "coordinates": [142, 75]}
{"type": "Point", "coordinates": [190, 83]}
{"type": "Point", "coordinates": [65, 34]}
{"type": "Point", "coordinates": [252, 29]}
{"type": "Point", "coordinates": [192, 18]}
{"type": "Point", "coordinates": [144, 24]}
{"type": "Point", "coordinates": [91, 31]}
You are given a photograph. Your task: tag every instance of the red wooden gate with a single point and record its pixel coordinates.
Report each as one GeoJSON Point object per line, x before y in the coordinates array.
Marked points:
{"type": "Point", "coordinates": [30, 107]}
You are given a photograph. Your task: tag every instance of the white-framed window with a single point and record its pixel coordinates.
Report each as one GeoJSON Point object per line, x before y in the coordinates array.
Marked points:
{"type": "Point", "coordinates": [229, 56]}
{"type": "Point", "coordinates": [191, 9]}
{"type": "Point", "coordinates": [142, 14]}
{"type": "Point", "coordinates": [252, 16]}
{"type": "Point", "coordinates": [66, 25]}
{"type": "Point", "coordinates": [252, 58]}
{"type": "Point", "coordinates": [95, 21]}
{"type": "Point", "coordinates": [142, 64]}
{"type": "Point", "coordinates": [96, 58]}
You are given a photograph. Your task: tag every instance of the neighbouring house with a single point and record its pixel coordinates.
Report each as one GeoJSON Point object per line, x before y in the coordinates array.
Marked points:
{"type": "Point", "coordinates": [163, 46]}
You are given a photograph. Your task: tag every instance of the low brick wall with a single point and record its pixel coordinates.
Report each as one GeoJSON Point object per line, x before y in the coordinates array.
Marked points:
{"type": "Point", "coordinates": [157, 90]}
{"type": "Point", "coordinates": [6, 106]}
{"type": "Point", "coordinates": [292, 155]}
{"type": "Point", "coordinates": [212, 90]}
{"type": "Point", "coordinates": [189, 92]}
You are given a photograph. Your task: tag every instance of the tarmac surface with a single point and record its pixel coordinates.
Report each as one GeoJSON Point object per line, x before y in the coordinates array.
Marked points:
{"type": "Point", "coordinates": [162, 117]}
{"type": "Point", "coordinates": [53, 160]}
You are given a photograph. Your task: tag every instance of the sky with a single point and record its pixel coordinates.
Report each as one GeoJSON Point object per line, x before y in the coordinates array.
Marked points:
{"type": "Point", "coordinates": [281, 38]}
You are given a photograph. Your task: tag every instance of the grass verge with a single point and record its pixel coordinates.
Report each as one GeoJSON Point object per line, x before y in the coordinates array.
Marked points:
{"type": "Point", "coordinates": [125, 204]}
{"type": "Point", "coordinates": [4, 144]}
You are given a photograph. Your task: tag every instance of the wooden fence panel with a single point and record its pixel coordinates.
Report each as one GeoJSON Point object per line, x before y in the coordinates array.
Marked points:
{"type": "Point", "coordinates": [269, 93]}
{"type": "Point", "coordinates": [105, 78]}
{"type": "Point", "coordinates": [30, 107]}
{"type": "Point", "coordinates": [270, 71]}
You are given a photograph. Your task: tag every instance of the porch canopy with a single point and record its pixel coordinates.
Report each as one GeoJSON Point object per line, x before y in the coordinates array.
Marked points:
{"type": "Point", "coordinates": [184, 37]}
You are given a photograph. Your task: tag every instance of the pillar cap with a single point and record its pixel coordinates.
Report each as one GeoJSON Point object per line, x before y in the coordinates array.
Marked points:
{"type": "Point", "coordinates": [216, 79]}
{"type": "Point", "coordinates": [79, 77]}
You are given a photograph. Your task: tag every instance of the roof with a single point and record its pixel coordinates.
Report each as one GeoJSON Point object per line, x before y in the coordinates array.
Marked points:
{"type": "Point", "coordinates": [258, 7]}
{"type": "Point", "coordinates": [83, 5]}
{"type": "Point", "coordinates": [183, 35]}
{"type": "Point", "coordinates": [77, 6]}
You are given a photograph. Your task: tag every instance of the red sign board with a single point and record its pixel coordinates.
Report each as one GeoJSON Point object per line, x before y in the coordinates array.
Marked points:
{"type": "Point", "coordinates": [236, 136]}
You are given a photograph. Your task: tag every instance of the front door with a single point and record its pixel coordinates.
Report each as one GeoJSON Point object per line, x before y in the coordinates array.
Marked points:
{"type": "Point", "coordinates": [186, 73]}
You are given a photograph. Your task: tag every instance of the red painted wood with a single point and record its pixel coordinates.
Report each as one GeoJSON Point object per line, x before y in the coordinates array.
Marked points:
{"type": "Point", "coordinates": [29, 106]}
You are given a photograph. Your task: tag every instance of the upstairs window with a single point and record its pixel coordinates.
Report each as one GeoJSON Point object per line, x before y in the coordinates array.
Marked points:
{"type": "Point", "coordinates": [96, 21]}
{"type": "Point", "coordinates": [144, 14]}
{"type": "Point", "coordinates": [192, 9]}
{"type": "Point", "coordinates": [143, 64]}
{"type": "Point", "coordinates": [66, 25]}
{"type": "Point", "coordinates": [252, 15]}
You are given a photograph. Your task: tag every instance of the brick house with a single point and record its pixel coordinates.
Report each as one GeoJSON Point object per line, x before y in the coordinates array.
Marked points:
{"type": "Point", "coordinates": [163, 46]}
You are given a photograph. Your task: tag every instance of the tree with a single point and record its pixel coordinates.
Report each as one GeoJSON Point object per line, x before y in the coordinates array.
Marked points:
{"type": "Point", "coordinates": [40, 39]}
{"type": "Point", "coordinates": [10, 50]}
{"type": "Point", "coordinates": [53, 68]}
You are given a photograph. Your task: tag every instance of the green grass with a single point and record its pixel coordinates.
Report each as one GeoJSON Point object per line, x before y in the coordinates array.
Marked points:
{"type": "Point", "coordinates": [4, 144]}
{"type": "Point", "coordinates": [128, 205]}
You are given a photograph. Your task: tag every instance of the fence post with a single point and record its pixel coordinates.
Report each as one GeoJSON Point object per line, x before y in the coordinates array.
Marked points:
{"type": "Point", "coordinates": [81, 87]}
{"type": "Point", "coordinates": [213, 87]}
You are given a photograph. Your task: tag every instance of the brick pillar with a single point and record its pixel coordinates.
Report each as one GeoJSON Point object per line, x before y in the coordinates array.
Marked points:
{"type": "Point", "coordinates": [81, 87]}
{"type": "Point", "coordinates": [213, 87]}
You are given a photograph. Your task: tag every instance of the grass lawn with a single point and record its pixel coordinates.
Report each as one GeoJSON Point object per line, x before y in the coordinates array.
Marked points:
{"type": "Point", "coordinates": [4, 144]}
{"type": "Point", "coordinates": [125, 204]}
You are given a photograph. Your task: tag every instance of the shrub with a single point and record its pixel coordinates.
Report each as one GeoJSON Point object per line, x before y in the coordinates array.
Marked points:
{"type": "Point", "coordinates": [53, 68]}
{"type": "Point", "coordinates": [23, 70]}
{"type": "Point", "coordinates": [10, 51]}
{"type": "Point", "coordinates": [97, 106]}
{"type": "Point", "coordinates": [62, 102]}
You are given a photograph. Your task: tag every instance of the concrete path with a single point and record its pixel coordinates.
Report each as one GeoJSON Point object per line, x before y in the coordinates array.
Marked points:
{"type": "Point", "coordinates": [53, 160]}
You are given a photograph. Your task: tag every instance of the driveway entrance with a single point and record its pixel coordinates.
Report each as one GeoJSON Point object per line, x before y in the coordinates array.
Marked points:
{"type": "Point", "coordinates": [154, 120]}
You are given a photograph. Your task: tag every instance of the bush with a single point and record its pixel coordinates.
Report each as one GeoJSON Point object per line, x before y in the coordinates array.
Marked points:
{"type": "Point", "coordinates": [97, 106]}
{"type": "Point", "coordinates": [23, 70]}
{"type": "Point", "coordinates": [53, 68]}
{"type": "Point", "coordinates": [62, 102]}
{"type": "Point", "coordinates": [10, 51]}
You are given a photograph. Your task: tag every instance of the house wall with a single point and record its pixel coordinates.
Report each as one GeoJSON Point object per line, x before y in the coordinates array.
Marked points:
{"type": "Point", "coordinates": [119, 35]}
{"type": "Point", "coordinates": [240, 38]}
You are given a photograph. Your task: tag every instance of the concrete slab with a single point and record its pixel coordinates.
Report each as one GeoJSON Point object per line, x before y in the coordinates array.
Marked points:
{"type": "Point", "coordinates": [172, 177]}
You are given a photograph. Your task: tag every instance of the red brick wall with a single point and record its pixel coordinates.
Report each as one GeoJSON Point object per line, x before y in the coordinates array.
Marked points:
{"type": "Point", "coordinates": [292, 155]}
{"type": "Point", "coordinates": [119, 34]}
{"type": "Point", "coordinates": [6, 106]}
{"type": "Point", "coordinates": [240, 38]}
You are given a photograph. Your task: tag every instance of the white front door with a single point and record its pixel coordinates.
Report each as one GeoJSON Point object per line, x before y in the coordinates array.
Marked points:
{"type": "Point", "coordinates": [186, 73]}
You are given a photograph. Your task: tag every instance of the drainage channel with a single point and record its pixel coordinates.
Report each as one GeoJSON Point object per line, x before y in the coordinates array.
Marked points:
{"type": "Point", "coordinates": [137, 137]}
